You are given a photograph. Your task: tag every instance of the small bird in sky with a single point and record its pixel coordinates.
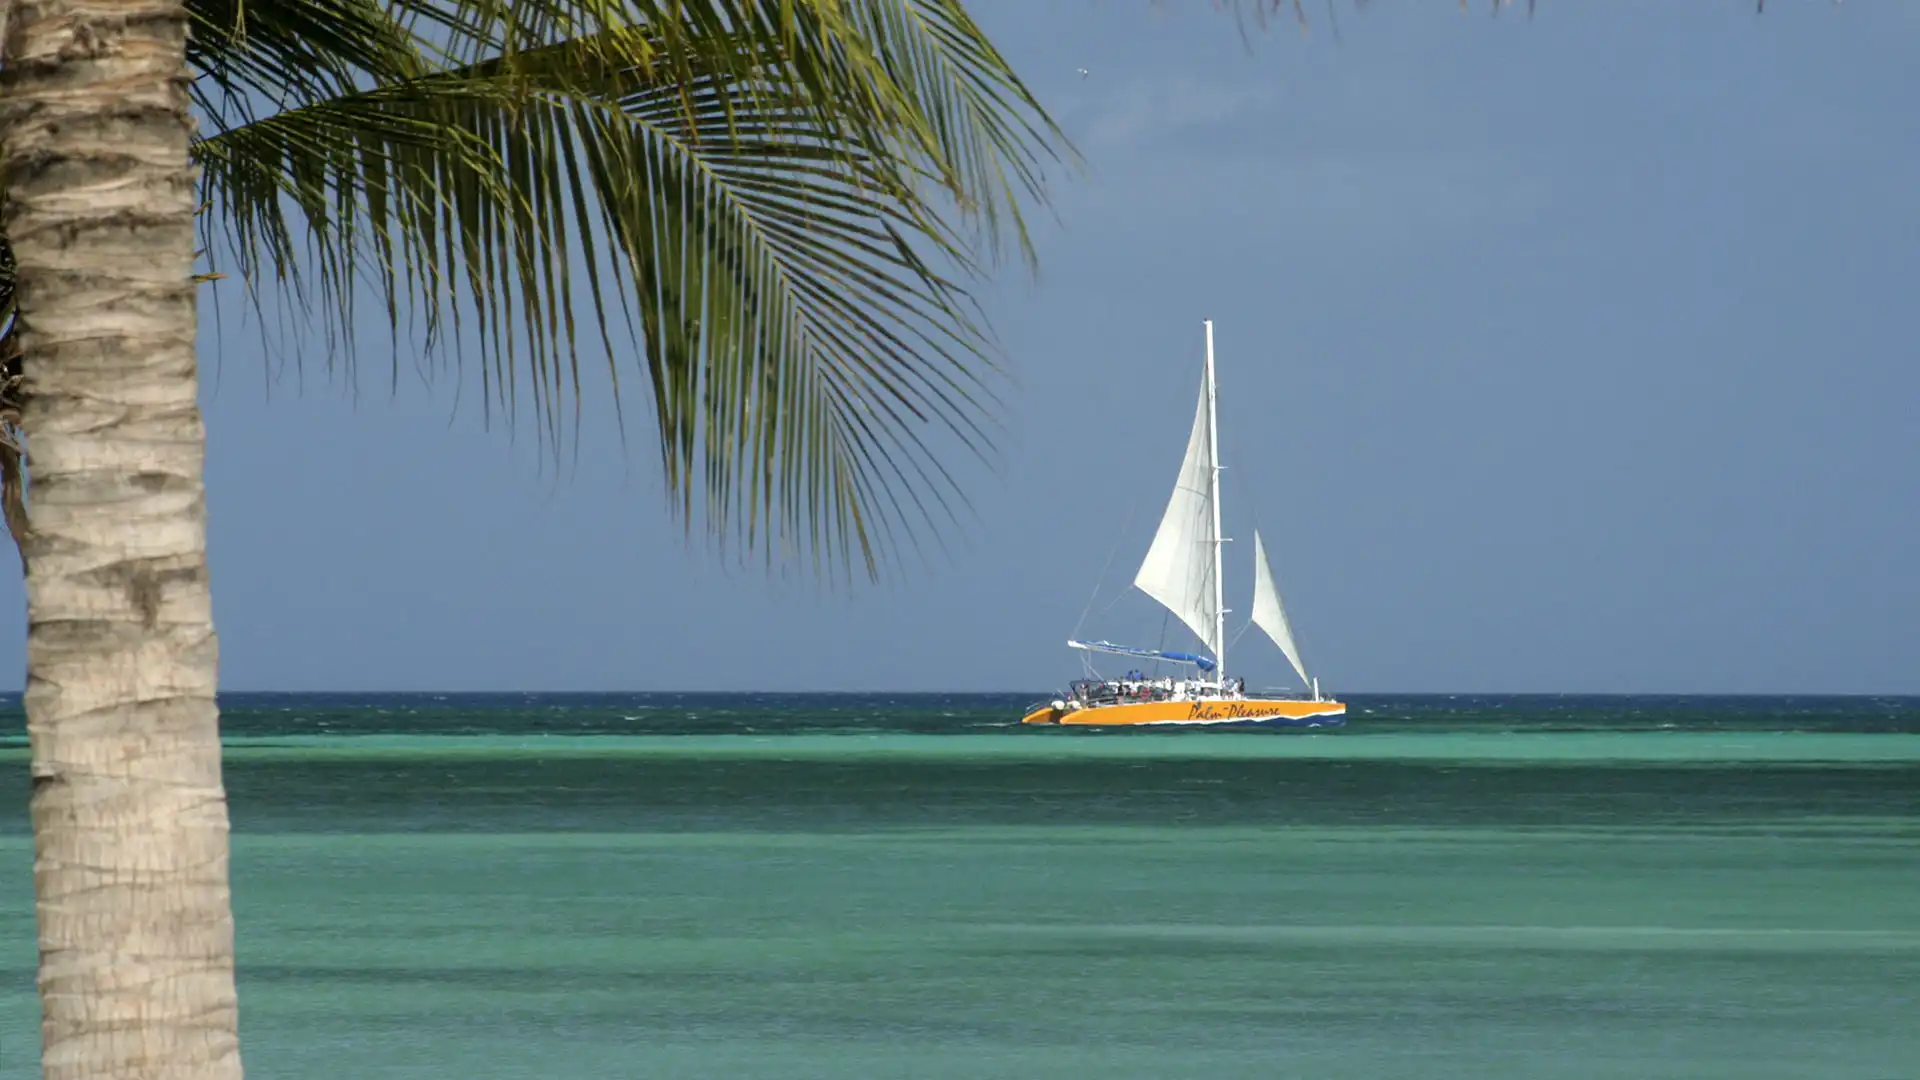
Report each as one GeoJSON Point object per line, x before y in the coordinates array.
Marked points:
{"type": "Point", "coordinates": [1083, 72]}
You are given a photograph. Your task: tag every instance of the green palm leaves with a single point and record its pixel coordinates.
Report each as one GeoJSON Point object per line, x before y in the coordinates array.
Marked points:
{"type": "Point", "coordinates": [777, 203]}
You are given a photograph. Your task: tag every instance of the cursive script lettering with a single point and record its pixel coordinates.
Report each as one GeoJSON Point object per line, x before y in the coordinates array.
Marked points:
{"type": "Point", "coordinates": [1226, 710]}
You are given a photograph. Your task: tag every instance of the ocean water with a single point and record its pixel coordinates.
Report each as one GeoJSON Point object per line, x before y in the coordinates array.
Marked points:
{"type": "Point", "coordinates": [854, 886]}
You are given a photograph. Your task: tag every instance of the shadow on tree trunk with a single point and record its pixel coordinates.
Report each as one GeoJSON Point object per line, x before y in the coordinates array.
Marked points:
{"type": "Point", "coordinates": [13, 398]}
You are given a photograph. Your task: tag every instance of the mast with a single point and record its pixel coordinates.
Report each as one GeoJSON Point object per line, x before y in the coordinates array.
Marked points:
{"type": "Point", "coordinates": [1219, 586]}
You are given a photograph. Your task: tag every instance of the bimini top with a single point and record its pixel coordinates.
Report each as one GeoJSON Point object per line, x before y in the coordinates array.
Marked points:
{"type": "Point", "coordinates": [1201, 662]}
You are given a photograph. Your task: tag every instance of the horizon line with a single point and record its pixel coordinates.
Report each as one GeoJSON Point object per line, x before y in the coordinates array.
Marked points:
{"type": "Point", "coordinates": [1017, 691]}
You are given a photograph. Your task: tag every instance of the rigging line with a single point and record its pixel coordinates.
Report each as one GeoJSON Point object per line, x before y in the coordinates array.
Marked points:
{"type": "Point", "coordinates": [1117, 597]}
{"type": "Point", "coordinates": [1087, 668]}
{"type": "Point", "coordinates": [1097, 582]}
{"type": "Point", "coordinates": [1162, 647]}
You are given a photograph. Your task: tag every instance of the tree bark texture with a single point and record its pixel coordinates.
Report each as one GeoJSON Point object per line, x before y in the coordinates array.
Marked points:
{"type": "Point", "coordinates": [129, 815]}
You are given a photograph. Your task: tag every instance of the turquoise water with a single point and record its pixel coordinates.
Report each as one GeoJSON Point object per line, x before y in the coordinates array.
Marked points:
{"type": "Point", "coordinates": [906, 886]}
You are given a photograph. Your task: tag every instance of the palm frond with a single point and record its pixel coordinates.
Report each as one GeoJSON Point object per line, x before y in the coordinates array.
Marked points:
{"type": "Point", "coordinates": [779, 202]}
{"type": "Point", "coordinates": [251, 59]}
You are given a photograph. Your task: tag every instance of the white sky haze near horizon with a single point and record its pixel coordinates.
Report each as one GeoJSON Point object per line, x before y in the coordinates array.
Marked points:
{"type": "Point", "coordinates": [1564, 354]}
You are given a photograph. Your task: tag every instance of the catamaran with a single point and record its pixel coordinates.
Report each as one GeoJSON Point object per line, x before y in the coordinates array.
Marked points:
{"type": "Point", "coordinates": [1182, 572]}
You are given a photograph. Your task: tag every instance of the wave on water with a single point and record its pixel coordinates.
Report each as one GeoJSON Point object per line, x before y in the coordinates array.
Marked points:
{"type": "Point", "coordinates": [270, 715]}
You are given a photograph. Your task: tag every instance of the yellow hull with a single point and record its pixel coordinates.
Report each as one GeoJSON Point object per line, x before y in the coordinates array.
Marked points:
{"type": "Point", "coordinates": [1237, 711]}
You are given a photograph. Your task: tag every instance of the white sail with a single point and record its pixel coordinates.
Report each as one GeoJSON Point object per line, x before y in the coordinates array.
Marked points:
{"type": "Point", "coordinates": [1268, 615]}
{"type": "Point", "coordinates": [1182, 565]}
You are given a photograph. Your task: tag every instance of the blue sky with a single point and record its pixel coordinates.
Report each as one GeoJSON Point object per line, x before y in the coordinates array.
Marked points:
{"type": "Point", "coordinates": [1566, 354]}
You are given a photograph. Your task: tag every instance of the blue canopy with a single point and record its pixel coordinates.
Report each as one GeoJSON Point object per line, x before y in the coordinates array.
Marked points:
{"type": "Point", "coordinates": [1201, 662]}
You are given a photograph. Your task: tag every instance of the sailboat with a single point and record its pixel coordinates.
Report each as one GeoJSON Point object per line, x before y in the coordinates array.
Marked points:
{"type": "Point", "coordinates": [1182, 572]}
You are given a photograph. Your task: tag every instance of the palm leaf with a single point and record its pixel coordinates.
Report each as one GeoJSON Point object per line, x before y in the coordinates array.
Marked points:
{"type": "Point", "coordinates": [779, 202]}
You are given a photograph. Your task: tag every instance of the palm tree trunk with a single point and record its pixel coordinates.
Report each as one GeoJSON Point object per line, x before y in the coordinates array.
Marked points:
{"type": "Point", "coordinates": [129, 816]}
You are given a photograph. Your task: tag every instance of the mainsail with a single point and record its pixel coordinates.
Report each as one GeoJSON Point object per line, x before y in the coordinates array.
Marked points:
{"type": "Point", "coordinates": [1268, 615]}
{"type": "Point", "coordinates": [1182, 565]}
